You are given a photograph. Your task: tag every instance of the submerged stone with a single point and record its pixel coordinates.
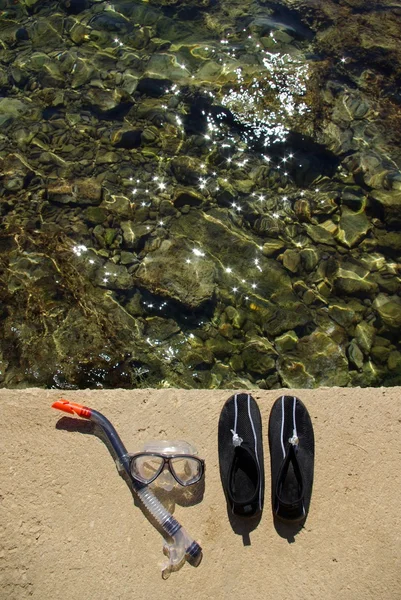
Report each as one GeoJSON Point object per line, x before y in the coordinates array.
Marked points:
{"type": "Point", "coordinates": [353, 227]}
{"type": "Point", "coordinates": [165, 272]}
{"type": "Point", "coordinates": [259, 358]}
{"type": "Point", "coordinates": [349, 282]}
{"type": "Point", "coordinates": [389, 310]}
{"type": "Point", "coordinates": [355, 355]}
{"type": "Point", "coordinates": [316, 361]}
{"type": "Point", "coordinates": [365, 335]}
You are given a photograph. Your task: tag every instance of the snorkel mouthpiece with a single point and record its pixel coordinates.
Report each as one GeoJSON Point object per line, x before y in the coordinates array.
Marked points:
{"type": "Point", "coordinates": [73, 408]}
{"type": "Point", "coordinates": [179, 546]}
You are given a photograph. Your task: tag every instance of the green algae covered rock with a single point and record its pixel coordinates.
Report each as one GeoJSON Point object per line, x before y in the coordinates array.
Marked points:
{"type": "Point", "coordinates": [259, 357]}
{"type": "Point", "coordinates": [165, 272]}
{"type": "Point", "coordinates": [316, 361]}
{"type": "Point", "coordinates": [353, 227]}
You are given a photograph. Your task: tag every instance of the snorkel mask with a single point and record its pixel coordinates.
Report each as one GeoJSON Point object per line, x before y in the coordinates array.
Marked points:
{"type": "Point", "coordinates": [166, 463]}
{"type": "Point", "coordinates": [178, 546]}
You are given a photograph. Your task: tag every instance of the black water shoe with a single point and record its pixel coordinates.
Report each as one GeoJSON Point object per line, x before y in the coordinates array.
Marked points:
{"type": "Point", "coordinates": [292, 451]}
{"type": "Point", "coordinates": [241, 455]}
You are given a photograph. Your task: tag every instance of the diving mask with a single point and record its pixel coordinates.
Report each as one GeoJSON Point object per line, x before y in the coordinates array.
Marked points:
{"type": "Point", "coordinates": [168, 462]}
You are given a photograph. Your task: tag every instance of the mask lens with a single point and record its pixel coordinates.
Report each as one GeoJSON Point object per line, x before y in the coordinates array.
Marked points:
{"type": "Point", "coordinates": [146, 467]}
{"type": "Point", "coordinates": [186, 469]}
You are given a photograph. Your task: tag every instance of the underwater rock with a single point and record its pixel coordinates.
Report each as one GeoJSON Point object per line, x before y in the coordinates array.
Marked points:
{"type": "Point", "coordinates": [285, 342]}
{"type": "Point", "coordinates": [134, 234]}
{"type": "Point", "coordinates": [309, 258]}
{"type": "Point", "coordinates": [95, 215]}
{"type": "Point", "coordinates": [153, 86]}
{"type": "Point", "coordinates": [272, 247]}
{"type": "Point", "coordinates": [394, 361]}
{"type": "Point", "coordinates": [113, 277]}
{"type": "Point", "coordinates": [166, 273]}
{"type": "Point", "coordinates": [11, 109]}
{"type": "Point", "coordinates": [390, 203]}
{"type": "Point", "coordinates": [80, 192]}
{"type": "Point", "coordinates": [105, 101]}
{"type": "Point", "coordinates": [44, 34]}
{"type": "Point", "coordinates": [259, 357]}
{"type": "Point", "coordinates": [352, 281]}
{"type": "Point", "coordinates": [365, 336]}
{"type": "Point", "coordinates": [186, 170]}
{"type": "Point", "coordinates": [389, 310]}
{"type": "Point", "coordinates": [187, 197]}
{"type": "Point", "coordinates": [353, 227]}
{"type": "Point", "coordinates": [355, 355]}
{"type": "Point", "coordinates": [291, 260]}
{"type": "Point", "coordinates": [316, 361]}
{"type": "Point", "coordinates": [320, 235]}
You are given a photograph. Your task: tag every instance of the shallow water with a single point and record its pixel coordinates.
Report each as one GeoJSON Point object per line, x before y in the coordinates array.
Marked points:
{"type": "Point", "coordinates": [200, 194]}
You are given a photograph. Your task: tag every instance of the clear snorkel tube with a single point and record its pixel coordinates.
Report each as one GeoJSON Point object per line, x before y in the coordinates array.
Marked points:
{"type": "Point", "coordinates": [181, 547]}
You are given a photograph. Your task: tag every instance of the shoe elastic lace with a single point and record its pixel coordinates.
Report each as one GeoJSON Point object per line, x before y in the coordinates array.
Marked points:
{"type": "Point", "coordinates": [237, 440]}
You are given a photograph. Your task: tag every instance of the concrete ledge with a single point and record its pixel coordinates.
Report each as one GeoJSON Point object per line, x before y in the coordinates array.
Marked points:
{"type": "Point", "coordinates": [70, 531]}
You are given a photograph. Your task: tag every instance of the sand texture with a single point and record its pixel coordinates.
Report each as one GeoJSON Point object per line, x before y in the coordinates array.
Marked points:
{"type": "Point", "coordinates": [69, 529]}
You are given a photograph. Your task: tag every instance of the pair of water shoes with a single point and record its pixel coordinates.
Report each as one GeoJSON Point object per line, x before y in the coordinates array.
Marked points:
{"type": "Point", "coordinates": [291, 443]}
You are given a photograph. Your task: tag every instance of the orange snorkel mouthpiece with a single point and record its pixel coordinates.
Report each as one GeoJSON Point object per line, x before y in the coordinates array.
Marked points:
{"type": "Point", "coordinates": [73, 408]}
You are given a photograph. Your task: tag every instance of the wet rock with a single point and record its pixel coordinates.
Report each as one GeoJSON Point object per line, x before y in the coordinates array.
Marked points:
{"type": "Point", "coordinates": [389, 310]}
{"type": "Point", "coordinates": [187, 197]}
{"type": "Point", "coordinates": [316, 361]}
{"type": "Point", "coordinates": [111, 21]}
{"type": "Point", "coordinates": [365, 335]}
{"type": "Point", "coordinates": [272, 247]}
{"type": "Point", "coordinates": [128, 138]}
{"type": "Point", "coordinates": [320, 235]}
{"type": "Point", "coordinates": [82, 73]}
{"type": "Point", "coordinates": [237, 363]}
{"type": "Point", "coordinates": [135, 234]}
{"type": "Point", "coordinates": [259, 357]}
{"type": "Point", "coordinates": [285, 342]}
{"type": "Point", "coordinates": [390, 203]}
{"type": "Point", "coordinates": [44, 34]}
{"type": "Point", "coordinates": [118, 205]}
{"type": "Point", "coordinates": [394, 361]}
{"type": "Point", "coordinates": [161, 329]}
{"type": "Point", "coordinates": [388, 241]}
{"type": "Point", "coordinates": [186, 169]}
{"type": "Point", "coordinates": [191, 284]}
{"type": "Point", "coordinates": [309, 259]}
{"type": "Point", "coordinates": [81, 192]}
{"type": "Point", "coordinates": [105, 102]}
{"type": "Point", "coordinates": [303, 210]}
{"type": "Point", "coordinates": [355, 355]}
{"type": "Point", "coordinates": [128, 258]}
{"type": "Point", "coordinates": [352, 281]}
{"type": "Point", "coordinates": [219, 346]}
{"type": "Point", "coordinates": [11, 109]}
{"type": "Point", "coordinates": [343, 314]}
{"type": "Point", "coordinates": [153, 86]}
{"type": "Point", "coordinates": [95, 215]}
{"type": "Point", "coordinates": [198, 359]}
{"type": "Point", "coordinates": [291, 260]}
{"type": "Point", "coordinates": [353, 227]}
{"type": "Point", "coordinates": [380, 354]}
{"type": "Point", "coordinates": [107, 158]}
{"type": "Point", "coordinates": [113, 277]}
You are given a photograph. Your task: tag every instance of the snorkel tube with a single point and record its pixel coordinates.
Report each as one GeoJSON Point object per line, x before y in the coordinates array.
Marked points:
{"type": "Point", "coordinates": [182, 547]}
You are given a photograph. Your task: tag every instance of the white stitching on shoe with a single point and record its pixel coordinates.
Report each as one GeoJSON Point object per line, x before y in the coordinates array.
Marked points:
{"type": "Point", "coordinates": [294, 440]}
{"type": "Point", "coordinates": [282, 425]}
{"type": "Point", "coordinates": [237, 440]}
{"type": "Point", "coordinates": [256, 448]}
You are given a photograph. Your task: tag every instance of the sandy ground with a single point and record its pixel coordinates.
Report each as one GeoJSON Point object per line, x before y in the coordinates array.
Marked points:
{"type": "Point", "coordinates": [69, 529]}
